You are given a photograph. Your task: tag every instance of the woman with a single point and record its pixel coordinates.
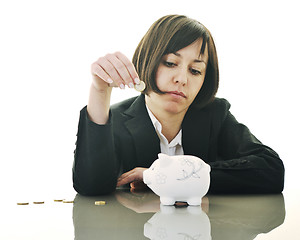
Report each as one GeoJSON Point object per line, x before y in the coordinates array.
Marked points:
{"type": "Point", "coordinates": [177, 113]}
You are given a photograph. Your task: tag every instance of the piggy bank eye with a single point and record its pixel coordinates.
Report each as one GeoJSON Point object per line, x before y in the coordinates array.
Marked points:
{"type": "Point", "coordinates": [152, 168]}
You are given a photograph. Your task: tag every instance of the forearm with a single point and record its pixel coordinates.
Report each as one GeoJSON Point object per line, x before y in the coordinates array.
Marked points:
{"type": "Point", "coordinates": [98, 104]}
{"type": "Point", "coordinates": [95, 168]}
{"type": "Point", "coordinates": [247, 165]}
{"type": "Point", "coordinates": [250, 174]}
{"type": "Point", "coordinates": [243, 164]}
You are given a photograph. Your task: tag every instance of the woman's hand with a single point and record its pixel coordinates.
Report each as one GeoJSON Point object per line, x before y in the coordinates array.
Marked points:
{"type": "Point", "coordinates": [134, 177]}
{"type": "Point", "coordinates": [114, 70]}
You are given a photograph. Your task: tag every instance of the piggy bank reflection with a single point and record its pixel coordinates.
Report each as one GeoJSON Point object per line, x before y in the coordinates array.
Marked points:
{"type": "Point", "coordinates": [178, 223]}
{"type": "Point", "coordinates": [181, 178]}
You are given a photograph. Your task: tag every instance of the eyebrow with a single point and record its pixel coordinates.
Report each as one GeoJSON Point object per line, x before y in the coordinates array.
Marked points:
{"type": "Point", "coordinates": [195, 60]}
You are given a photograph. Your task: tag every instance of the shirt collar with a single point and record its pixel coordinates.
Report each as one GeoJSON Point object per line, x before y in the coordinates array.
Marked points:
{"type": "Point", "coordinates": [158, 129]}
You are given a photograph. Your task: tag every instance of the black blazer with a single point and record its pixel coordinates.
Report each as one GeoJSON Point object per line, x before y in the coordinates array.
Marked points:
{"type": "Point", "coordinates": [239, 162]}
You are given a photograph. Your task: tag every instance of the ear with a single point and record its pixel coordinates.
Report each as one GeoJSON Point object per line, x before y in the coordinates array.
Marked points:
{"type": "Point", "coordinates": [164, 160]}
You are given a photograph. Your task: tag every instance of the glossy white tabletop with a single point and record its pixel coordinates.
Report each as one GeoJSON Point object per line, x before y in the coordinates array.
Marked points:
{"type": "Point", "coordinates": [139, 215]}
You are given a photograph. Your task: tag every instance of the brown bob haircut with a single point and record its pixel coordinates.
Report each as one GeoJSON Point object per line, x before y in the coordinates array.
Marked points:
{"type": "Point", "coordinates": [168, 35]}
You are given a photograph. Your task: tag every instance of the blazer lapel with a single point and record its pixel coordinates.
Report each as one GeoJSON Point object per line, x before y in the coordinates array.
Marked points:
{"type": "Point", "coordinates": [143, 133]}
{"type": "Point", "coordinates": [196, 129]}
{"type": "Point", "coordinates": [195, 133]}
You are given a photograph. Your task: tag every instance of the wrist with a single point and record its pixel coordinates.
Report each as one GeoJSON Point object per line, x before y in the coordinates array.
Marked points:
{"type": "Point", "coordinates": [101, 88]}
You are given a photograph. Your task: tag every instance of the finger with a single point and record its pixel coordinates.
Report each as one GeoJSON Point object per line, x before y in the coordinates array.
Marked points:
{"type": "Point", "coordinates": [121, 68]}
{"type": "Point", "coordinates": [128, 179]}
{"type": "Point", "coordinates": [135, 174]}
{"type": "Point", "coordinates": [130, 67]}
{"type": "Point", "coordinates": [124, 175]}
{"type": "Point", "coordinates": [99, 72]}
{"type": "Point", "coordinates": [110, 70]}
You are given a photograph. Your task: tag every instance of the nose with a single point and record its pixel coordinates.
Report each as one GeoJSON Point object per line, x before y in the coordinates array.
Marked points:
{"type": "Point", "coordinates": [181, 77]}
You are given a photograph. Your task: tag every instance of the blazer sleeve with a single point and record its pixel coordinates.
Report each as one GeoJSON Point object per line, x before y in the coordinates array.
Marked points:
{"type": "Point", "coordinates": [245, 165]}
{"type": "Point", "coordinates": [95, 167]}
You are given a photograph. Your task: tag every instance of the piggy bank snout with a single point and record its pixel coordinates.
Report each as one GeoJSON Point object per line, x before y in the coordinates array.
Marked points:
{"type": "Point", "coordinates": [146, 177]}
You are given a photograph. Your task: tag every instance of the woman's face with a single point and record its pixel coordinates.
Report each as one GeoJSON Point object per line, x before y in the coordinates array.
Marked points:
{"type": "Point", "coordinates": [180, 76]}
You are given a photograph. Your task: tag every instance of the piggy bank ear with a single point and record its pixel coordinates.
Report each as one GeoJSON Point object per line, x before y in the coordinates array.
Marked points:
{"type": "Point", "coordinates": [164, 160]}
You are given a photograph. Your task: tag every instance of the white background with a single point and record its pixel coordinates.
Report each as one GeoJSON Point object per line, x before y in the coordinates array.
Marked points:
{"type": "Point", "coordinates": [46, 48]}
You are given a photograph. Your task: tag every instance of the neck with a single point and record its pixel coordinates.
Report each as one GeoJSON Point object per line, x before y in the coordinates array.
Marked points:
{"type": "Point", "coordinates": [170, 129]}
{"type": "Point", "coordinates": [171, 122]}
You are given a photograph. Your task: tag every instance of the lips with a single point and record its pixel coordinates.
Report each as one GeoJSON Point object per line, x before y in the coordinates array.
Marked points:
{"type": "Point", "coordinates": [176, 93]}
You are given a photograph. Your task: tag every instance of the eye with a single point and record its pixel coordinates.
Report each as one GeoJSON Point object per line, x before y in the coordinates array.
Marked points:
{"type": "Point", "coordinates": [195, 71]}
{"type": "Point", "coordinates": [169, 64]}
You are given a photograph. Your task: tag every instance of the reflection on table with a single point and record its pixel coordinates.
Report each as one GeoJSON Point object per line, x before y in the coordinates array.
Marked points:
{"type": "Point", "coordinates": [129, 215]}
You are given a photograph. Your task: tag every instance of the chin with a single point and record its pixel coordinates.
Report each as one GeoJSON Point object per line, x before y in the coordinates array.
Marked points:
{"type": "Point", "coordinates": [174, 108]}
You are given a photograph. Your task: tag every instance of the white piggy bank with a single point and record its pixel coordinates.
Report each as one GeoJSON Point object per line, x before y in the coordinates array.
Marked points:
{"type": "Point", "coordinates": [172, 223]}
{"type": "Point", "coordinates": [178, 178]}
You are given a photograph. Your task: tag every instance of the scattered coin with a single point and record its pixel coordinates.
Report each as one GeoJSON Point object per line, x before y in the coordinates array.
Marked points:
{"type": "Point", "coordinates": [140, 87]}
{"type": "Point", "coordinates": [100, 203]}
{"type": "Point", "coordinates": [22, 203]}
{"type": "Point", "coordinates": [42, 202]}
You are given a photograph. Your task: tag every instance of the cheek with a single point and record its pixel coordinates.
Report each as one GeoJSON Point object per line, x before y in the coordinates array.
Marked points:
{"type": "Point", "coordinates": [158, 78]}
{"type": "Point", "coordinates": [161, 77]}
{"type": "Point", "coordinates": [196, 87]}
{"type": "Point", "coordinates": [200, 85]}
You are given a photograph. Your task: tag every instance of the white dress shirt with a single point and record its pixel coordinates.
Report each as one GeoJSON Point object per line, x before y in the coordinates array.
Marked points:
{"type": "Point", "coordinates": [172, 148]}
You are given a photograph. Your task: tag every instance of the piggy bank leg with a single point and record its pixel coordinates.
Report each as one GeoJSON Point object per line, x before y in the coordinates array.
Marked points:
{"type": "Point", "coordinates": [194, 201]}
{"type": "Point", "coordinates": [167, 201]}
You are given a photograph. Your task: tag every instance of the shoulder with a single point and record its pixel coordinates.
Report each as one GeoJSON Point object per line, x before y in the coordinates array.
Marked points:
{"type": "Point", "coordinates": [219, 104]}
{"type": "Point", "coordinates": [215, 112]}
{"type": "Point", "coordinates": [217, 108]}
